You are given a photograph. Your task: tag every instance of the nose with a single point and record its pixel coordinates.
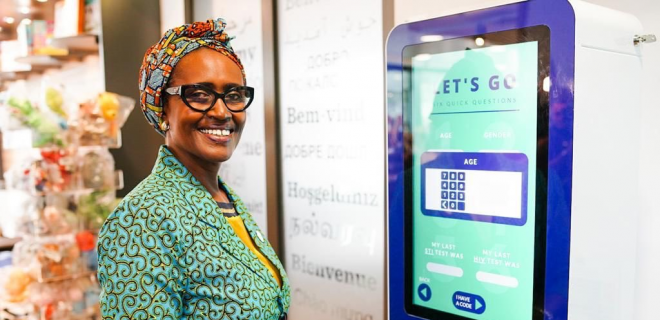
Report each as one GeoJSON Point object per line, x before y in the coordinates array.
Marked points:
{"type": "Point", "coordinates": [219, 110]}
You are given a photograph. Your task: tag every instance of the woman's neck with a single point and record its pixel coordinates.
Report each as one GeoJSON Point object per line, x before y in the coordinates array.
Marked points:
{"type": "Point", "coordinates": [205, 171]}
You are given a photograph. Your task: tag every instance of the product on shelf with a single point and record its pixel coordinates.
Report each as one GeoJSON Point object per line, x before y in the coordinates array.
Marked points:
{"type": "Point", "coordinates": [95, 207]}
{"type": "Point", "coordinates": [71, 180]}
{"type": "Point", "coordinates": [97, 168]}
{"type": "Point", "coordinates": [16, 285]}
{"type": "Point", "coordinates": [46, 131]}
{"type": "Point", "coordinates": [50, 258]}
{"type": "Point", "coordinates": [101, 118]}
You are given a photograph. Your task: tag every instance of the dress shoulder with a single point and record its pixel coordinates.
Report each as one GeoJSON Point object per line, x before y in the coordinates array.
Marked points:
{"type": "Point", "coordinates": [139, 251]}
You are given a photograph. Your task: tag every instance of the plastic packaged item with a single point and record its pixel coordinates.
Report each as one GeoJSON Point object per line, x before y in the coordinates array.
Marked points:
{"type": "Point", "coordinates": [96, 168]}
{"type": "Point", "coordinates": [49, 258]}
{"type": "Point", "coordinates": [46, 131]}
{"type": "Point", "coordinates": [95, 207]}
{"type": "Point", "coordinates": [16, 285]}
{"type": "Point", "coordinates": [99, 120]}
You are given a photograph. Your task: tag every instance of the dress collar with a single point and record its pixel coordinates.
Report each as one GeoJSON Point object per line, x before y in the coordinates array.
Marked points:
{"type": "Point", "coordinates": [170, 168]}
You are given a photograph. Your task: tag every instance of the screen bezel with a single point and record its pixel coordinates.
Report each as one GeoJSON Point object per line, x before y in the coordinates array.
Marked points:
{"type": "Point", "coordinates": [540, 34]}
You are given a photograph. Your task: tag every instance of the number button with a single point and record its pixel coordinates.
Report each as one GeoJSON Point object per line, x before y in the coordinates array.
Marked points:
{"type": "Point", "coordinates": [452, 185]}
{"type": "Point", "coordinates": [445, 185]}
{"type": "Point", "coordinates": [445, 175]}
{"type": "Point", "coordinates": [461, 186]}
{"type": "Point", "coordinates": [461, 176]}
{"type": "Point", "coordinates": [461, 196]}
{"type": "Point", "coordinates": [445, 195]}
{"type": "Point", "coordinates": [452, 195]}
{"type": "Point", "coordinates": [452, 176]}
{"type": "Point", "coordinates": [452, 205]}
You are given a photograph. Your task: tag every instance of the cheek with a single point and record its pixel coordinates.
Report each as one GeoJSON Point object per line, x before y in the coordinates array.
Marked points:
{"type": "Point", "coordinates": [239, 120]}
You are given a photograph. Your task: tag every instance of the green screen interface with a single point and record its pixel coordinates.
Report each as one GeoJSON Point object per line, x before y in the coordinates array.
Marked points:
{"type": "Point", "coordinates": [473, 118]}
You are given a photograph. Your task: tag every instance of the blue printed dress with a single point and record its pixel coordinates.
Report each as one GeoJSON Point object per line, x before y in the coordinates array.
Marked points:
{"type": "Point", "coordinates": [167, 252]}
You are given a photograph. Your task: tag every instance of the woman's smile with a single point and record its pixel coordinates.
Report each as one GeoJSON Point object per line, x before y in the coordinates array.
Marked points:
{"type": "Point", "coordinates": [220, 135]}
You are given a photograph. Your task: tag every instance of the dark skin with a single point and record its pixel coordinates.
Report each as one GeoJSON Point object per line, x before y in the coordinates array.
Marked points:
{"type": "Point", "coordinates": [200, 152]}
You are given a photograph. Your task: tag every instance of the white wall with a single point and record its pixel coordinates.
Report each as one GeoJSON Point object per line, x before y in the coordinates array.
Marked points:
{"type": "Point", "coordinates": [172, 14]}
{"type": "Point", "coordinates": [331, 132]}
{"type": "Point", "coordinates": [648, 11]}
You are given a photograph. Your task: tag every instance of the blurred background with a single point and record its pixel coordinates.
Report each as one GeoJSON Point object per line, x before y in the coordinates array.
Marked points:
{"type": "Point", "coordinates": [310, 166]}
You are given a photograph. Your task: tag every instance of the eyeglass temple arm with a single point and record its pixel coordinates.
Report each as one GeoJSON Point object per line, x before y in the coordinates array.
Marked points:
{"type": "Point", "coordinates": [174, 90]}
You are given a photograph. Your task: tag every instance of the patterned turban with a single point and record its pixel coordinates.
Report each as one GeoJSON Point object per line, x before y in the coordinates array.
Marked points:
{"type": "Point", "coordinates": [161, 58]}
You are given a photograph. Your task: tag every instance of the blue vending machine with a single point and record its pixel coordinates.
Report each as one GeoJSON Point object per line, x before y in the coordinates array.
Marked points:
{"type": "Point", "coordinates": [513, 136]}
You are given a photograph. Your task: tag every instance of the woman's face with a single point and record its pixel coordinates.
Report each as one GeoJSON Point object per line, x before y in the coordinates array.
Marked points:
{"type": "Point", "coordinates": [188, 134]}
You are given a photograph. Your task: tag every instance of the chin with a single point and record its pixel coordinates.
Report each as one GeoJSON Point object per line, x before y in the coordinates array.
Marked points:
{"type": "Point", "coordinates": [221, 155]}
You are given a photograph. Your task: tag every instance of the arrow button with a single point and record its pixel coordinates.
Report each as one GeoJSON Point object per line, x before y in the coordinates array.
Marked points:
{"type": "Point", "coordinates": [469, 302]}
{"type": "Point", "coordinates": [424, 292]}
{"type": "Point", "coordinates": [477, 305]}
{"type": "Point", "coordinates": [444, 204]}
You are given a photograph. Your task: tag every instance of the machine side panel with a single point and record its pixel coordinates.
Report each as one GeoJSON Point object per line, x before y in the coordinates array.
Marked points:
{"type": "Point", "coordinates": [606, 197]}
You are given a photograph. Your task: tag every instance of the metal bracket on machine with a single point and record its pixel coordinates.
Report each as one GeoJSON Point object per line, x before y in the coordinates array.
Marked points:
{"type": "Point", "coordinates": [646, 38]}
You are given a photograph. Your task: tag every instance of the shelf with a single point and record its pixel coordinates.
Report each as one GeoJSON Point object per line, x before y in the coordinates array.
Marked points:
{"type": "Point", "coordinates": [83, 42]}
{"type": "Point", "coordinates": [14, 75]}
{"type": "Point", "coordinates": [40, 61]}
{"type": "Point", "coordinates": [65, 277]}
{"type": "Point", "coordinates": [7, 243]}
{"type": "Point", "coordinates": [77, 192]}
{"type": "Point", "coordinates": [78, 48]}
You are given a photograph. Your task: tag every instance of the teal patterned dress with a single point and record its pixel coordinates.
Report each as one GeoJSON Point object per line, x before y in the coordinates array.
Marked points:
{"type": "Point", "coordinates": [167, 252]}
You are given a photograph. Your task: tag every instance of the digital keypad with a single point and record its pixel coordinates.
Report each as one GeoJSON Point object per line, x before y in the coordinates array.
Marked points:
{"type": "Point", "coordinates": [452, 190]}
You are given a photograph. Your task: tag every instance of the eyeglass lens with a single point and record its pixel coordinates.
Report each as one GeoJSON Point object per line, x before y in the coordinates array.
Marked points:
{"type": "Point", "coordinates": [201, 98]}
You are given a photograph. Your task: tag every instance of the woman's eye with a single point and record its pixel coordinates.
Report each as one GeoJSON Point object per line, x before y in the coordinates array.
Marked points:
{"type": "Point", "coordinates": [234, 97]}
{"type": "Point", "coordinates": [198, 95]}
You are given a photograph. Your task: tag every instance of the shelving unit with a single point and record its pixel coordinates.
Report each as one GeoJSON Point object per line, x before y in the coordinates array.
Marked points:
{"type": "Point", "coordinates": [81, 73]}
{"type": "Point", "coordinates": [70, 182]}
{"type": "Point", "coordinates": [7, 243]}
{"type": "Point", "coordinates": [78, 48]}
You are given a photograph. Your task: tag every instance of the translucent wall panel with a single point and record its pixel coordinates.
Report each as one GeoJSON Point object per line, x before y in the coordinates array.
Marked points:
{"type": "Point", "coordinates": [332, 142]}
{"type": "Point", "coordinates": [245, 172]}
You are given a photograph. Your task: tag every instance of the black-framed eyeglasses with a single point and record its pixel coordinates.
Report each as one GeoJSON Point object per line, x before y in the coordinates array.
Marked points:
{"type": "Point", "coordinates": [201, 98]}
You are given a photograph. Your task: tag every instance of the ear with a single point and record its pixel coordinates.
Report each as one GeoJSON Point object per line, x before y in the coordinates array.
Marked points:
{"type": "Point", "coordinates": [165, 108]}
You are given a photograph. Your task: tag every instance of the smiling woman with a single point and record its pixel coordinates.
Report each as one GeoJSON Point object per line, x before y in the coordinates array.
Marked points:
{"type": "Point", "coordinates": [182, 244]}
{"type": "Point", "coordinates": [197, 122]}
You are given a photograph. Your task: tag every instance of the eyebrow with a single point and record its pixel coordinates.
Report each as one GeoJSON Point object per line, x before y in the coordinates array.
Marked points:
{"type": "Point", "coordinates": [226, 86]}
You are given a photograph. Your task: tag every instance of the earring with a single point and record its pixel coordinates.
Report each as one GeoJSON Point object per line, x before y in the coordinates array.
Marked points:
{"type": "Point", "coordinates": [164, 126]}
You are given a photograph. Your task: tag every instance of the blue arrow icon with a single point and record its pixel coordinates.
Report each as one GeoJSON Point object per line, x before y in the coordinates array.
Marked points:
{"type": "Point", "coordinates": [424, 292]}
{"type": "Point", "coordinates": [477, 305]}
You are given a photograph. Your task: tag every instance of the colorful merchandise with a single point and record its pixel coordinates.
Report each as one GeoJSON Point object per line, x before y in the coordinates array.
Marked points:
{"type": "Point", "coordinates": [69, 180]}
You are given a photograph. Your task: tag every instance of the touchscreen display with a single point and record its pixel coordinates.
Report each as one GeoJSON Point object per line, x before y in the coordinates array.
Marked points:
{"type": "Point", "coordinates": [476, 114]}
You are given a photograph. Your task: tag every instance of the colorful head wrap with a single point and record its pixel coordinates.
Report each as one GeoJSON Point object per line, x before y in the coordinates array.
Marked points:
{"type": "Point", "coordinates": [161, 58]}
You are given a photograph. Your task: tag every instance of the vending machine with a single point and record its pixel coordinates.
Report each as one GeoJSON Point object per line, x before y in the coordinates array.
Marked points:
{"type": "Point", "coordinates": [513, 148]}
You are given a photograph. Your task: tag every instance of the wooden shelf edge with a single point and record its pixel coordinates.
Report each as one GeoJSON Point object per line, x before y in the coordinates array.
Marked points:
{"type": "Point", "coordinates": [82, 42]}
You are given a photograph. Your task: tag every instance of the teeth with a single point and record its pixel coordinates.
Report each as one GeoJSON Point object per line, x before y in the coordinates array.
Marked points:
{"type": "Point", "coordinates": [216, 132]}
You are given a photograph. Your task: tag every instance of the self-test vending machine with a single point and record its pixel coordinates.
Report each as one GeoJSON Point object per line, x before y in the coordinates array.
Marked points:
{"type": "Point", "coordinates": [513, 147]}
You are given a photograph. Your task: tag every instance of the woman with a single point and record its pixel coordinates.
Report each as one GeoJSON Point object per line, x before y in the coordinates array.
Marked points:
{"type": "Point", "coordinates": [182, 244]}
